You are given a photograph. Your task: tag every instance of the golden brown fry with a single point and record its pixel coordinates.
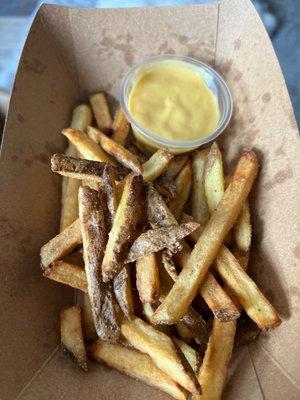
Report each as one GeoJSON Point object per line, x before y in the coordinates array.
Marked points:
{"type": "Point", "coordinates": [116, 150]}
{"type": "Point", "coordinates": [213, 370]}
{"type": "Point", "coordinates": [242, 229]}
{"type": "Point", "coordinates": [93, 229]}
{"type": "Point", "coordinates": [155, 240]}
{"type": "Point", "coordinates": [123, 293]}
{"type": "Point", "coordinates": [242, 258]}
{"type": "Point", "coordinates": [147, 279]}
{"type": "Point", "coordinates": [156, 164]}
{"type": "Point", "coordinates": [245, 290]}
{"type": "Point", "coordinates": [137, 365]}
{"type": "Point", "coordinates": [69, 274]}
{"type": "Point", "coordinates": [71, 335]}
{"type": "Point", "coordinates": [101, 111]}
{"type": "Point", "coordinates": [61, 245]}
{"type": "Point", "coordinates": [190, 354]}
{"type": "Point", "coordinates": [183, 186]}
{"type": "Point", "coordinates": [82, 117]}
{"type": "Point", "coordinates": [211, 239]}
{"type": "Point", "coordinates": [120, 127]}
{"type": "Point", "coordinates": [88, 325]}
{"type": "Point", "coordinates": [86, 146]}
{"type": "Point", "coordinates": [214, 181]}
{"type": "Point", "coordinates": [124, 226]}
{"type": "Point", "coordinates": [199, 203]}
{"type": "Point", "coordinates": [161, 349]}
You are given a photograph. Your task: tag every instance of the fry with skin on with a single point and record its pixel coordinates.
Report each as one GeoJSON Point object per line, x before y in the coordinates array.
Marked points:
{"type": "Point", "coordinates": [199, 203]}
{"type": "Point", "coordinates": [147, 278]}
{"type": "Point", "coordinates": [124, 156]}
{"type": "Point", "coordinates": [210, 241]}
{"type": "Point", "coordinates": [67, 273]}
{"type": "Point", "coordinates": [123, 293]}
{"type": "Point", "coordinates": [156, 165]}
{"type": "Point", "coordinates": [101, 111]}
{"type": "Point", "coordinates": [71, 335]}
{"type": "Point", "coordinates": [137, 365]}
{"type": "Point", "coordinates": [161, 349]}
{"type": "Point", "coordinates": [94, 235]}
{"type": "Point", "coordinates": [183, 186]}
{"type": "Point", "coordinates": [243, 230]}
{"type": "Point", "coordinates": [120, 127]}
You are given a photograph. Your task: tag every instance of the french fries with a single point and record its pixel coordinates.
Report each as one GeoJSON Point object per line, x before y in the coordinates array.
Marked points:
{"type": "Point", "coordinates": [123, 293]}
{"type": "Point", "coordinates": [242, 229]}
{"type": "Point", "coordinates": [101, 111]}
{"type": "Point", "coordinates": [94, 235]}
{"type": "Point", "coordinates": [206, 249]}
{"type": "Point", "coordinates": [175, 166]}
{"type": "Point", "coordinates": [82, 117]}
{"type": "Point", "coordinates": [245, 290]}
{"type": "Point", "coordinates": [88, 325]}
{"type": "Point", "coordinates": [120, 127]}
{"type": "Point", "coordinates": [213, 370]}
{"type": "Point", "coordinates": [123, 229]}
{"type": "Point", "coordinates": [190, 354]}
{"type": "Point", "coordinates": [200, 209]}
{"type": "Point", "coordinates": [156, 164]}
{"type": "Point", "coordinates": [71, 335]}
{"type": "Point", "coordinates": [161, 349]}
{"type": "Point", "coordinates": [137, 365]}
{"type": "Point", "coordinates": [147, 278]}
{"type": "Point", "coordinates": [67, 273]}
{"type": "Point", "coordinates": [124, 156]}
{"type": "Point", "coordinates": [155, 240]}
{"type": "Point", "coordinates": [183, 186]}
{"type": "Point", "coordinates": [86, 146]}
{"type": "Point", "coordinates": [61, 245]}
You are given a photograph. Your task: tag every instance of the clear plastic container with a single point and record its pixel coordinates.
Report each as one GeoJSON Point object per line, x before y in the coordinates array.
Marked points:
{"type": "Point", "coordinates": [149, 140]}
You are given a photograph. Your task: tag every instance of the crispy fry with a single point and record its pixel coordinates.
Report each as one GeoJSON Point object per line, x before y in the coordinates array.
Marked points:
{"type": "Point", "coordinates": [116, 150]}
{"type": "Point", "coordinates": [61, 245]}
{"type": "Point", "coordinates": [242, 229]}
{"type": "Point", "coordinates": [101, 111]}
{"type": "Point", "coordinates": [82, 117]}
{"type": "Point", "coordinates": [161, 349]}
{"type": "Point", "coordinates": [213, 370]}
{"type": "Point", "coordinates": [183, 186]}
{"type": "Point", "coordinates": [120, 127]}
{"type": "Point", "coordinates": [91, 214]}
{"type": "Point", "coordinates": [88, 325]}
{"type": "Point", "coordinates": [190, 354]}
{"type": "Point", "coordinates": [155, 240]}
{"type": "Point", "coordinates": [207, 247]}
{"type": "Point", "coordinates": [123, 293]}
{"type": "Point", "coordinates": [69, 274]}
{"type": "Point", "coordinates": [156, 164]}
{"type": "Point", "coordinates": [86, 146]}
{"type": "Point", "coordinates": [123, 229]}
{"type": "Point", "coordinates": [147, 279]}
{"type": "Point", "coordinates": [199, 203]}
{"type": "Point", "coordinates": [245, 290]}
{"type": "Point", "coordinates": [214, 181]}
{"type": "Point", "coordinates": [71, 335]}
{"type": "Point", "coordinates": [137, 365]}
{"type": "Point", "coordinates": [158, 213]}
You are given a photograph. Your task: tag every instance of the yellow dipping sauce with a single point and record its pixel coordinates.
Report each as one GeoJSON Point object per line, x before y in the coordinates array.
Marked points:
{"type": "Point", "coordinates": [174, 103]}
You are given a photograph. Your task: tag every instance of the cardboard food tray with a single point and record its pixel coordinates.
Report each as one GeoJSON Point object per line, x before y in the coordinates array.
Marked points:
{"type": "Point", "coordinates": [72, 52]}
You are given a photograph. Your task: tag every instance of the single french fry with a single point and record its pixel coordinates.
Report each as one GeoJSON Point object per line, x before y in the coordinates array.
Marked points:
{"type": "Point", "coordinates": [214, 181]}
{"type": "Point", "coordinates": [184, 333]}
{"type": "Point", "coordinates": [183, 186]}
{"type": "Point", "coordinates": [175, 166]}
{"type": "Point", "coordinates": [245, 290]}
{"type": "Point", "coordinates": [200, 209]}
{"type": "Point", "coordinates": [61, 245]}
{"type": "Point", "coordinates": [242, 258]}
{"type": "Point", "coordinates": [101, 111]}
{"type": "Point", "coordinates": [124, 156]}
{"type": "Point", "coordinates": [156, 165]}
{"type": "Point", "coordinates": [137, 365]}
{"type": "Point", "coordinates": [82, 117]}
{"type": "Point", "coordinates": [94, 235]}
{"type": "Point", "coordinates": [123, 293]}
{"type": "Point", "coordinates": [88, 325]}
{"type": "Point", "coordinates": [67, 273]}
{"type": "Point", "coordinates": [124, 226]}
{"type": "Point", "coordinates": [86, 146]}
{"type": "Point", "coordinates": [71, 335]}
{"type": "Point", "coordinates": [190, 354]}
{"type": "Point", "coordinates": [147, 279]}
{"type": "Point", "coordinates": [210, 241]}
{"type": "Point", "coordinates": [242, 229]}
{"type": "Point", "coordinates": [213, 370]}
{"type": "Point", "coordinates": [155, 240]}
{"type": "Point", "coordinates": [161, 349]}
{"type": "Point", "coordinates": [120, 127]}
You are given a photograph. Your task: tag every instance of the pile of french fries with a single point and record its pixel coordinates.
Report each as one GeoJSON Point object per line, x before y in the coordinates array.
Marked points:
{"type": "Point", "coordinates": [159, 246]}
